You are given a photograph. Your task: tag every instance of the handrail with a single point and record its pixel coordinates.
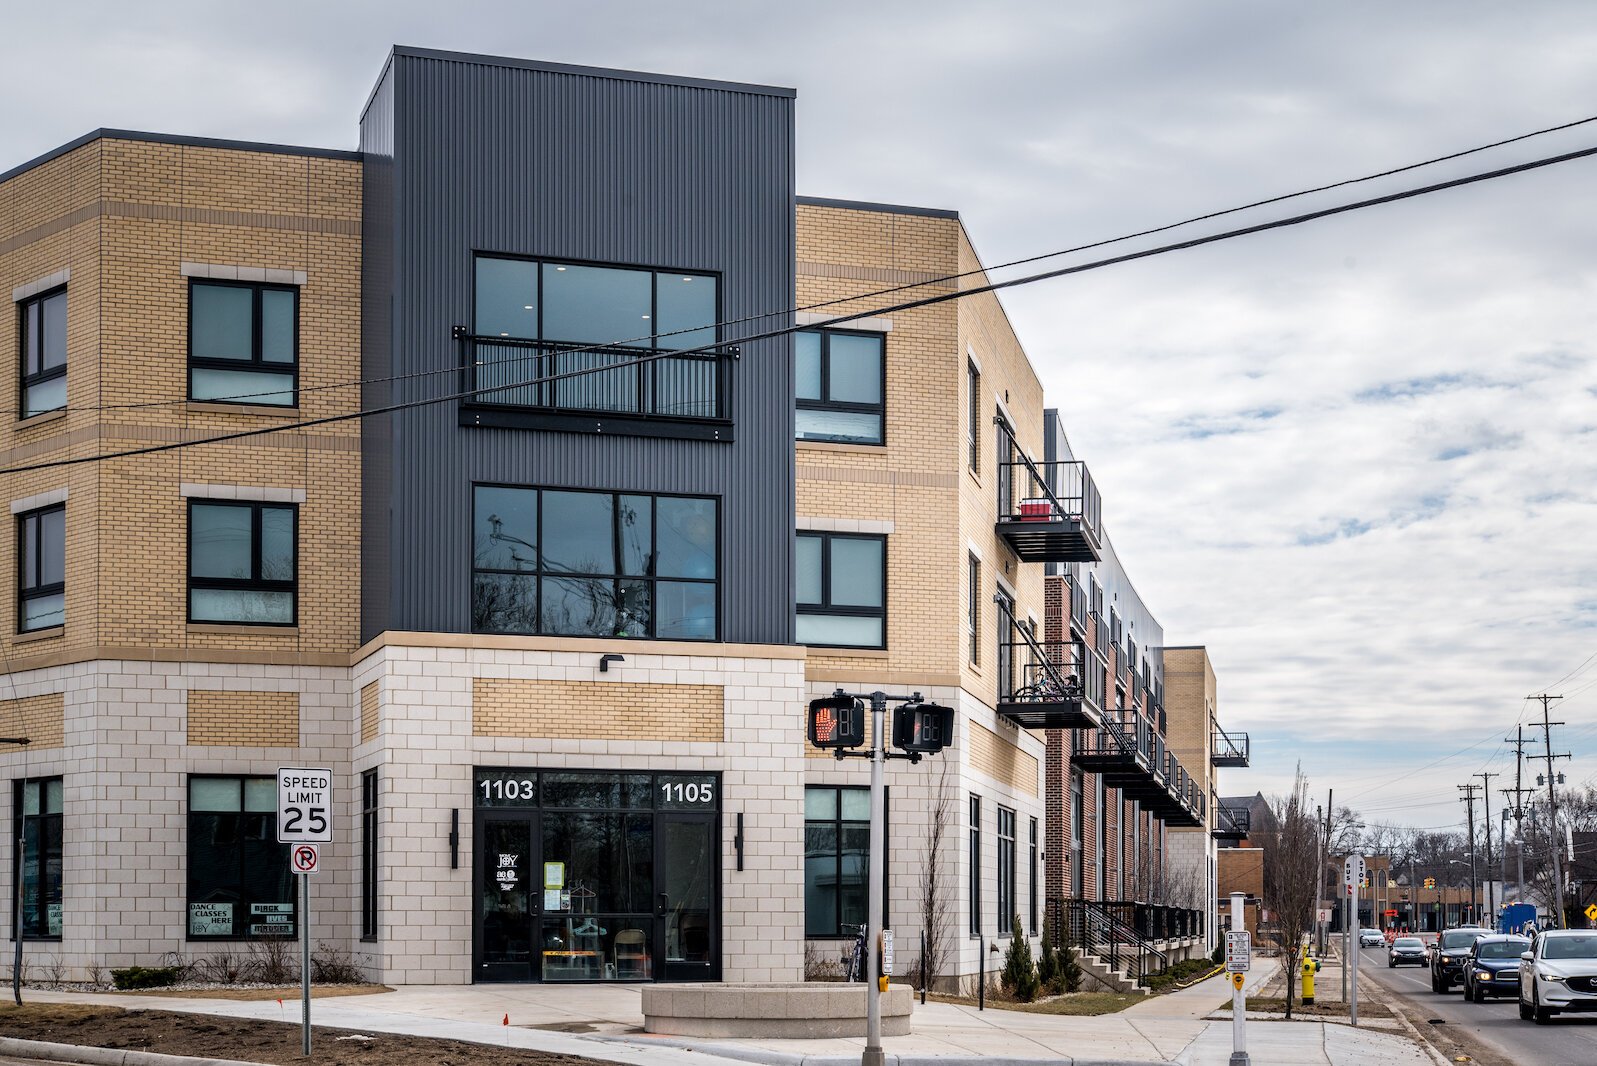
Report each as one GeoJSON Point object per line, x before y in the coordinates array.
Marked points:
{"type": "Point", "coordinates": [1089, 503]}
{"type": "Point", "coordinates": [1080, 685]}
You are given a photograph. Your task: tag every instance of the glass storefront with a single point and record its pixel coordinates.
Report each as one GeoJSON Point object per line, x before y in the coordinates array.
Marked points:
{"type": "Point", "coordinates": [585, 876]}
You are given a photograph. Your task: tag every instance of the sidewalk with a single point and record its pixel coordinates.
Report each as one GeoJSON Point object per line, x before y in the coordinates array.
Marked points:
{"type": "Point", "coordinates": [604, 1022]}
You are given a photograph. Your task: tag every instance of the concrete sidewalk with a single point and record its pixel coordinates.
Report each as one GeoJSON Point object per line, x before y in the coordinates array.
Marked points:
{"type": "Point", "coordinates": [604, 1022]}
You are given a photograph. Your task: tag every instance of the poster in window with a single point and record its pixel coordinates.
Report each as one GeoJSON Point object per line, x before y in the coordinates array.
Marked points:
{"type": "Point", "coordinates": [52, 919]}
{"type": "Point", "coordinates": [210, 919]}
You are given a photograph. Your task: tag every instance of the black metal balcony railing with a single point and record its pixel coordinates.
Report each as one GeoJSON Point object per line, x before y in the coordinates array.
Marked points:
{"type": "Point", "coordinates": [1228, 749]}
{"type": "Point", "coordinates": [1133, 938]}
{"type": "Point", "coordinates": [530, 375]}
{"type": "Point", "coordinates": [1046, 684]}
{"type": "Point", "coordinates": [1130, 755]}
{"type": "Point", "coordinates": [1231, 823]}
{"type": "Point", "coordinates": [1048, 512]}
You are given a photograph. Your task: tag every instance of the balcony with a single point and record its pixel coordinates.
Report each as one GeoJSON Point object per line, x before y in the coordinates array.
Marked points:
{"type": "Point", "coordinates": [512, 383]}
{"type": "Point", "coordinates": [1228, 749]}
{"type": "Point", "coordinates": [1048, 512]}
{"type": "Point", "coordinates": [1046, 685]}
{"type": "Point", "coordinates": [1130, 755]}
{"type": "Point", "coordinates": [1231, 824]}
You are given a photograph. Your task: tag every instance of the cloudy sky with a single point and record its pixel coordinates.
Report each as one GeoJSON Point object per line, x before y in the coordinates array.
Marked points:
{"type": "Point", "coordinates": [1355, 458]}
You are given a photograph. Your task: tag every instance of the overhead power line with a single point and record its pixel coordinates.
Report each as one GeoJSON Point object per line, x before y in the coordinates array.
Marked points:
{"type": "Point", "coordinates": [906, 305]}
{"type": "Point", "coordinates": [941, 280]}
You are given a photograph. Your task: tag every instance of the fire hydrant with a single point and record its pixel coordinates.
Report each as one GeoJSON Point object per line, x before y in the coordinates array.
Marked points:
{"type": "Point", "coordinates": [1310, 968]}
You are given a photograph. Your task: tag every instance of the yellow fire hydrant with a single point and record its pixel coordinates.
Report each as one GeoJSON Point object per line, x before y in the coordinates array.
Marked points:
{"type": "Point", "coordinates": [1310, 968]}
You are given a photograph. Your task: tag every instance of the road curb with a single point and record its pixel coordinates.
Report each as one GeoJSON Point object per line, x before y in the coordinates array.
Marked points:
{"type": "Point", "coordinates": [103, 1056]}
{"type": "Point", "coordinates": [768, 1057]}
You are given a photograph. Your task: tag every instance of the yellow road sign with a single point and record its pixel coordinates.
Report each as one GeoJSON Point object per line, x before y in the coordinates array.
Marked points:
{"type": "Point", "coordinates": [1591, 912]}
{"type": "Point", "coordinates": [1237, 979]}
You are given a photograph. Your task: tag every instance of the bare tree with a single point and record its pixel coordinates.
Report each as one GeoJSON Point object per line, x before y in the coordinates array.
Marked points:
{"type": "Point", "coordinates": [937, 902]}
{"type": "Point", "coordinates": [1291, 858]}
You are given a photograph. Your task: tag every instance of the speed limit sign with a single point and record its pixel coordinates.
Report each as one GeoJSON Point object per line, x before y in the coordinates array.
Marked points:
{"type": "Point", "coordinates": [304, 805]}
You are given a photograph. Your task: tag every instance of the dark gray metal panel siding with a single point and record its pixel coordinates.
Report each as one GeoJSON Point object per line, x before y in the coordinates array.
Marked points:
{"type": "Point", "coordinates": [377, 274]}
{"type": "Point", "coordinates": [493, 158]}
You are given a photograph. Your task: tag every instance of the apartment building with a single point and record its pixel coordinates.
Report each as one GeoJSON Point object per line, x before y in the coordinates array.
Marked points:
{"type": "Point", "coordinates": [490, 467]}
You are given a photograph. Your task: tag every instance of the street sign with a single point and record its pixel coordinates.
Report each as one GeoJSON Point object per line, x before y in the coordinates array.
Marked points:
{"type": "Point", "coordinates": [1591, 912]}
{"type": "Point", "coordinates": [1353, 872]}
{"type": "Point", "coordinates": [304, 805]}
{"type": "Point", "coordinates": [306, 858]}
{"type": "Point", "coordinates": [1238, 950]}
{"type": "Point", "coordinates": [1325, 914]}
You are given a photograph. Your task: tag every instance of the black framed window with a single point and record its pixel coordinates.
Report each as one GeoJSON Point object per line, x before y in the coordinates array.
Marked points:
{"type": "Point", "coordinates": [1006, 871]}
{"type": "Point", "coordinates": [840, 385]}
{"type": "Point", "coordinates": [579, 563]}
{"type": "Point", "coordinates": [1004, 659]}
{"type": "Point", "coordinates": [36, 859]}
{"type": "Point", "coordinates": [1078, 833]}
{"type": "Point", "coordinates": [243, 342]}
{"type": "Point", "coordinates": [42, 568]}
{"type": "Point", "coordinates": [1031, 895]}
{"type": "Point", "coordinates": [973, 416]}
{"type": "Point", "coordinates": [368, 855]}
{"type": "Point", "coordinates": [841, 582]}
{"type": "Point", "coordinates": [837, 860]}
{"type": "Point", "coordinates": [556, 317]}
{"type": "Point", "coordinates": [43, 344]}
{"type": "Point", "coordinates": [239, 886]}
{"type": "Point", "coordinates": [973, 610]}
{"type": "Point", "coordinates": [975, 866]}
{"type": "Point", "coordinates": [243, 562]}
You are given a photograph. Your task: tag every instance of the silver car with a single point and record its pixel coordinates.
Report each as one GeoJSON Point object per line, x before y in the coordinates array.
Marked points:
{"type": "Point", "coordinates": [1371, 938]}
{"type": "Point", "coordinates": [1407, 951]}
{"type": "Point", "coordinates": [1558, 973]}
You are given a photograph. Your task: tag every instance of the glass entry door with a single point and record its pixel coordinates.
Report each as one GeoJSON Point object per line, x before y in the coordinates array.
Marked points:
{"type": "Point", "coordinates": [507, 903]}
{"type": "Point", "coordinates": [686, 861]}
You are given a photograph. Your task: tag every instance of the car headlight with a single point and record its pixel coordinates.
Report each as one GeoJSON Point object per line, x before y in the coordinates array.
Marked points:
{"type": "Point", "coordinates": [1545, 976]}
{"type": "Point", "coordinates": [1483, 975]}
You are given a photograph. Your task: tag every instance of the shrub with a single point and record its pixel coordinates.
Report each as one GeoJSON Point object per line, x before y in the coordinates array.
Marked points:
{"type": "Point", "coordinates": [1069, 969]}
{"type": "Point", "coordinates": [1048, 974]}
{"type": "Point", "coordinates": [1019, 977]}
{"type": "Point", "coordinates": [272, 961]}
{"type": "Point", "coordinates": [332, 966]}
{"type": "Point", "coordinates": [145, 977]}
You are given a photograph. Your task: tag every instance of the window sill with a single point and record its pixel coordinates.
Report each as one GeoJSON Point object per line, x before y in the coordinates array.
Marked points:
{"type": "Point", "coordinates": [840, 446]}
{"type": "Point", "coordinates": [39, 634]}
{"type": "Point", "coordinates": [973, 475]}
{"type": "Point", "coordinates": [242, 627]}
{"type": "Point", "coordinates": [41, 419]}
{"type": "Point", "coordinates": [206, 407]}
{"type": "Point", "coordinates": [596, 423]}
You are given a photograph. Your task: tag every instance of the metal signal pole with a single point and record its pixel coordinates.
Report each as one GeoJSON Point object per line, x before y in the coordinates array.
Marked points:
{"type": "Point", "coordinates": [1469, 800]}
{"type": "Point", "coordinates": [1486, 825]}
{"type": "Point", "coordinates": [1552, 801]}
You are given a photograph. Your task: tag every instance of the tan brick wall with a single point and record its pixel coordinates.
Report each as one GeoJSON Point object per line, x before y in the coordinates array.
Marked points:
{"type": "Point", "coordinates": [1190, 706]}
{"type": "Point", "coordinates": [1000, 760]}
{"type": "Point", "coordinates": [39, 718]}
{"type": "Point", "coordinates": [243, 719]}
{"type": "Point", "coordinates": [368, 711]}
{"type": "Point", "coordinates": [124, 216]}
{"type": "Point", "coordinates": [618, 710]}
{"type": "Point", "coordinates": [1240, 870]}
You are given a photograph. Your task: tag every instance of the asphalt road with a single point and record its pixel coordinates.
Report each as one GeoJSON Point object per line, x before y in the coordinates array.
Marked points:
{"type": "Point", "coordinates": [1494, 1026]}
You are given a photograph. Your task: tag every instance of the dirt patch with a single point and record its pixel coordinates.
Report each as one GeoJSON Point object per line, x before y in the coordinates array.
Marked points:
{"type": "Point", "coordinates": [286, 994]}
{"type": "Point", "coordinates": [1368, 1008]}
{"type": "Point", "coordinates": [278, 1043]}
{"type": "Point", "coordinates": [1078, 1003]}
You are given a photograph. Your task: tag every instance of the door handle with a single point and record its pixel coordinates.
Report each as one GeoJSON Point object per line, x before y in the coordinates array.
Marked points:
{"type": "Point", "coordinates": [662, 906]}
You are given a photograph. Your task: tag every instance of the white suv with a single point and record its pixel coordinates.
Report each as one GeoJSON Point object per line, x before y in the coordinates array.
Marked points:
{"type": "Point", "coordinates": [1558, 973]}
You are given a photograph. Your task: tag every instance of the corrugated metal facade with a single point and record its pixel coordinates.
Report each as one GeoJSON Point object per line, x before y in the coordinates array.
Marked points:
{"type": "Point", "coordinates": [498, 156]}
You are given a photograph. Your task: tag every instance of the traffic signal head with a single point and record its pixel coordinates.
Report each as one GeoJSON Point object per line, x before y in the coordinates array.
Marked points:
{"type": "Point", "coordinates": [923, 727]}
{"type": "Point", "coordinates": [837, 722]}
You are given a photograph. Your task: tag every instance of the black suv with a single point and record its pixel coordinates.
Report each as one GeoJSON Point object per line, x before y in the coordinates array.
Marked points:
{"type": "Point", "coordinates": [1451, 954]}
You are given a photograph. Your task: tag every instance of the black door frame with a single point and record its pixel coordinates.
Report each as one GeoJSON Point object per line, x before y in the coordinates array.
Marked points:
{"type": "Point", "coordinates": [531, 818]}
{"type": "Point", "coordinates": [685, 971]}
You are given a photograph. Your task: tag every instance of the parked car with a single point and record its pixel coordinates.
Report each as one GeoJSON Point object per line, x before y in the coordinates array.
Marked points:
{"type": "Point", "coordinates": [1492, 968]}
{"type": "Point", "coordinates": [1406, 951]}
{"type": "Point", "coordinates": [1371, 938]}
{"type": "Point", "coordinates": [1452, 949]}
{"type": "Point", "coordinates": [1558, 973]}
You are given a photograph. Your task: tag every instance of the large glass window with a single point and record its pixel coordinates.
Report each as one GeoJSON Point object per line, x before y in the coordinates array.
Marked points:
{"type": "Point", "coordinates": [1031, 895]}
{"type": "Point", "coordinates": [839, 382]}
{"type": "Point", "coordinates": [973, 609]}
{"type": "Point", "coordinates": [579, 563]}
{"type": "Point", "coordinates": [972, 417]}
{"type": "Point", "coordinates": [841, 581]}
{"type": "Point", "coordinates": [1006, 870]}
{"type": "Point", "coordinates": [41, 568]}
{"type": "Point", "coordinates": [837, 868]}
{"type": "Point", "coordinates": [585, 326]}
{"type": "Point", "coordinates": [974, 862]}
{"type": "Point", "coordinates": [243, 342]}
{"type": "Point", "coordinates": [44, 352]}
{"type": "Point", "coordinates": [37, 803]}
{"type": "Point", "coordinates": [368, 855]}
{"type": "Point", "coordinates": [242, 562]}
{"type": "Point", "coordinates": [239, 882]}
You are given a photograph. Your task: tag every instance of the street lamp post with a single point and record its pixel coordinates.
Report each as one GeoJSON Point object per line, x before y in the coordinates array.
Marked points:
{"type": "Point", "coordinates": [16, 911]}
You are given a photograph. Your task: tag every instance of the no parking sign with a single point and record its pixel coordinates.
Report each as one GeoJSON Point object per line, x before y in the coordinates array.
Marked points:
{"type": "Point", "coordinates": [306, 858]}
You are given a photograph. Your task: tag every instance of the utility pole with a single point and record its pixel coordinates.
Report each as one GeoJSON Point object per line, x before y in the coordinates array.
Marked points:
{"type": "Point", "coordinates": [1486, 827]}
{"type": "Point", "coordinates": [1469, 800]}
{"type": "Point", "coordinates": [1323, 819]}
{"type": "Point", "coordinates": [1552, 801]}
{"type": "Point", "coordinates": [1518, 792]}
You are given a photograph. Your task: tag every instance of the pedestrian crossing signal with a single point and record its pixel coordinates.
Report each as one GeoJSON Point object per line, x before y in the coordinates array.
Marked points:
{"type": "Point", "coordinates": [837, 722]}
{"type": "Point", "coordinates": [923, 727]}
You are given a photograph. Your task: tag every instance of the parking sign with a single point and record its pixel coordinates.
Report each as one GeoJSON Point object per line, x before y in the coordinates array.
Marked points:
{"type": "Point", "coordinates": [304, 805]}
